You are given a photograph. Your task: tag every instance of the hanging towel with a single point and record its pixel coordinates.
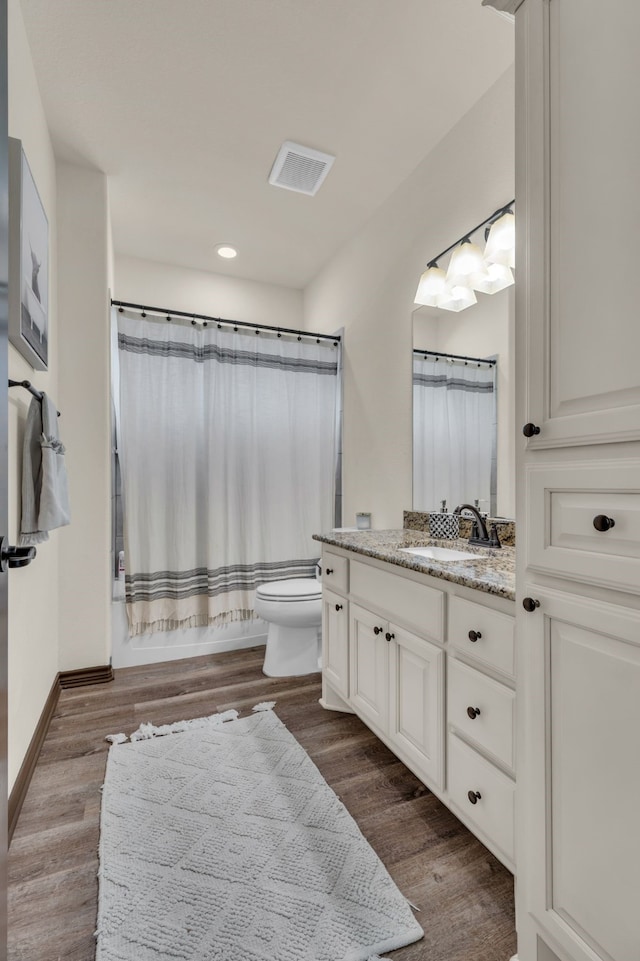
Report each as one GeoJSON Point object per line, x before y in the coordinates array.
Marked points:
{"type": "Point", "coordinates": [45, 498]}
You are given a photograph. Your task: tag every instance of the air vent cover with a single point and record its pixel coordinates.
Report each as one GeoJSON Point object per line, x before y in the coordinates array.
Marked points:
{"type": "Point", "coordinates": [300, 168]}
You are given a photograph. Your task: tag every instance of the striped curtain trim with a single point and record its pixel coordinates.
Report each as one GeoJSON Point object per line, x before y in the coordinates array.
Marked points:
{"type": "Point", "coordinates": [202, 581]}
{"type": "Point", "coordinates": [452, 383]}
{"type": "Point", "coordinates": [223, 355]}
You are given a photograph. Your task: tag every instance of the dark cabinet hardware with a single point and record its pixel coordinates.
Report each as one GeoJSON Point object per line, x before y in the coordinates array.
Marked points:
{"type": "Point", "coordinates": [474, 636]}
{"type": "Point", "coordinates": [378, 630]}
{"type": "Point", "coordinates": [603, 523]}
{"type": "Point", "coordinates": [338, 607]}
{"type": "Point", "coordinates": [474, 796]}
{"type": "Point", "coordinates": [473, 712]}
{"type": "Point", "coordinates": [11, 557]}
{"type": "Point", "coordinates": [389, 637]}
{"type": "Point", "coordinates": [328, 570]}
{"type": "Point", "coordinates": [530, 604]}
{"type": "Point", "coordinates": [530, 430]}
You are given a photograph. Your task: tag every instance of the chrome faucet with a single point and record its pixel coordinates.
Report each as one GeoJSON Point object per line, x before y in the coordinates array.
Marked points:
{"type": "Point", "coordinates": [479, 533]}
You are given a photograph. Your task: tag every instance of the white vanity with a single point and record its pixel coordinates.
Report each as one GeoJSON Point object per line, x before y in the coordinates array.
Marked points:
{"type": "Point", "coordinates": [423, 653]}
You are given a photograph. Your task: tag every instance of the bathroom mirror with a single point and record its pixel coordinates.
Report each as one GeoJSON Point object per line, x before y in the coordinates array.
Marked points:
{"type": "Point", "coordinates": [458, 405]}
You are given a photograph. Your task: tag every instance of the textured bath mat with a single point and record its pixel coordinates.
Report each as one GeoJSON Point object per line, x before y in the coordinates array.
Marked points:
{"type": "Point", "coordinates": [221, 841]}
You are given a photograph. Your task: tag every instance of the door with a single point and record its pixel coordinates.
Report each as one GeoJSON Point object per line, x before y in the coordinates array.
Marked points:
{"type": "Point", "coordinates": [335, 641]}
{"type": "Point", "coordinates": [369, 667]}
{"type": "Point", "coordinates": [4, 287]}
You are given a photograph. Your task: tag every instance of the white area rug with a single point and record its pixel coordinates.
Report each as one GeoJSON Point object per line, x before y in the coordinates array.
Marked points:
{"type": "Point", "coordinates": [221, 841]}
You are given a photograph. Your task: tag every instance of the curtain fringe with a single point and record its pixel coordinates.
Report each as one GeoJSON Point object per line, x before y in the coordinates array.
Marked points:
{"type": "Point", "coordinates": [196, 620]}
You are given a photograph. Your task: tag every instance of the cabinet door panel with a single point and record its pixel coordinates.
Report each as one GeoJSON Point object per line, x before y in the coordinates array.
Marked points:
{"type": "Point", "coordinates": [416, 703]}
{"type": "Point", "coordinates": [335, 641]}
{"type": "Point", "coordinates": [369, 667]}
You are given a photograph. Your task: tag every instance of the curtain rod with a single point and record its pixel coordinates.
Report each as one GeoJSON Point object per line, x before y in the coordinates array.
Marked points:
{"type": "Point", "coordinates": [494, 216]}
{"type": "Point", "coordinates": [121, 305]}
{"type": "Point", "coordinates": [439, 353]}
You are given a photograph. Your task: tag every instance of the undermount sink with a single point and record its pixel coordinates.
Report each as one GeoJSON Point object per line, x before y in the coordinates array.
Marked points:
{"type": "Point", "coordinates": [438, 553]}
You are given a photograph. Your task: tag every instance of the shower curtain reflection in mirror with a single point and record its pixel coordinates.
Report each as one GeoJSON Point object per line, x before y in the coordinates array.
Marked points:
{"type": "Point", "coordinates": [454, 432]}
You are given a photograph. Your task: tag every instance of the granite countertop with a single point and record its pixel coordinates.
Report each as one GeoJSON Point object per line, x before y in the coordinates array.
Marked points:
{"type": "Point", "coordinates": [493, 572]}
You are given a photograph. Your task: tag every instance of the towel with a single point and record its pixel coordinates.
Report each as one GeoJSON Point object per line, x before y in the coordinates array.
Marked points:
{"type": "Point", "coordinates": [45, 498]}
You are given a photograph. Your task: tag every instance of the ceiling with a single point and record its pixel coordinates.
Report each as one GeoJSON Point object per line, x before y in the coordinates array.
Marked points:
{"type": "Point", "coordinates": [185, 103]}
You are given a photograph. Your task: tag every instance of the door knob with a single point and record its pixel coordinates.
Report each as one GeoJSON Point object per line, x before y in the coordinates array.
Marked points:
{"type": "Point", "coordinates": [474, 636]}
{"type": "Point", "coordinates": [530, 430]}
{"type": "Point", "coordinates": [378, 630]}
{"type": "Point", "coordinates": [603, 523]}
{"type": "Point", "coordinates": [473, 712]}
{"type": "Point", "coordinates": [474, 796]}
{"type": "Point", "coordinates": [15, 556]}
{"type": "Point", "coordinates": [338, 607]}
{"type": "Point", "coordinates": [530, 604]}
{"type": "Point", "coordinates": [328, 570]}
{"type": "Point", "coordinates": [389, 636]}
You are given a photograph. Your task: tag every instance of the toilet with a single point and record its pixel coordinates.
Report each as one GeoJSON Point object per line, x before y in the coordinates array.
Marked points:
{"type": "Point", "coordinates": [293, 610]}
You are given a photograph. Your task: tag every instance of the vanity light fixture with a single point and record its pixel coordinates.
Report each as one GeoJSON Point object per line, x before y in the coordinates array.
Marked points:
{"type": "Point", "coordinates": [226, 251]}
{"type": "Point", "coordinates": [470, 269]}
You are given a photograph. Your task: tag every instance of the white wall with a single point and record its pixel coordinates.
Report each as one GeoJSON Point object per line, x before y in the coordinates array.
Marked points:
{"type": "Point", "coordinates": [33, 590]}
{"type": "Point", "coordinates": [162, 285]}
{"type": "Point", "coordinates": [84, 391]}
{"type": "Point", "coordinates": [369, 286]}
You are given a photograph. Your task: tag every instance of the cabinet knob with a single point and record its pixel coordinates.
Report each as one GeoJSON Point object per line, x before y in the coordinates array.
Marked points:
{"type": "Point", "coordinates": [378, 630]}
{"type": "Point", "coordinates": [530, 430]}
{"type": "Point", "coordinates": [603, 523]}
{"type": "Point", "coordinates": [474, 796]}
{"type": "Point", "coordinates": [530, 604]}
{"type": "Point", "coordinates": [473, 712]}
{"type": "Point", "coordinates": [474, 636]}
{"type": "Point", "coordinates": [328, 570]}
{"type": "Point", "coordinates": [338, 607]}
{"type": "Point", "coordinates": [389, 637]}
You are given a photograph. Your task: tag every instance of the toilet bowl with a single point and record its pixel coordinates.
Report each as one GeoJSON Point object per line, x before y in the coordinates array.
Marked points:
{"type": "Point", "coordinates": [293, 610]}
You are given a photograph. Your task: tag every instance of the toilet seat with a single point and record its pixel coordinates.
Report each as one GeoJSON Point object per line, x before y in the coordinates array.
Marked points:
{"type": "Point", "coordinates": [295, 589]}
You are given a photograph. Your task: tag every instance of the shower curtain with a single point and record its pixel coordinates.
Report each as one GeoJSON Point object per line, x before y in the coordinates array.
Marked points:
{"type": "Point", "coordinates": [454, 429]}
{"type": "Point", "coordinates": [227, 450]}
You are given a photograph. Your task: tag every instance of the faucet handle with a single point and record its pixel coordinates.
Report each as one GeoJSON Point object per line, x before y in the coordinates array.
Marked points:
{"type": "Point", "coordinates": [494, 540]}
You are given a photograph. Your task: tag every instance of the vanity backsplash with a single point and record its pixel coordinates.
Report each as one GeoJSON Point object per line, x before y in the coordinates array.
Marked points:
{"type": "Point", "coordinates": [419, 521]}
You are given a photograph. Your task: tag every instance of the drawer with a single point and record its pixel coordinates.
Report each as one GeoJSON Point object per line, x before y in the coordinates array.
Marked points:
{"type": "Point", "coordinates": [570, 498]}
{"type": "Point", "coordinates": [483, 634]}
{"type": "Point", "coordinates": [493, 812]}
{"type": "Point", "coordinates": [406, 602]}
{"type": "Point", "coordinates": [493, 727]}
{"type": "Point", "coordinates": [335, 571]}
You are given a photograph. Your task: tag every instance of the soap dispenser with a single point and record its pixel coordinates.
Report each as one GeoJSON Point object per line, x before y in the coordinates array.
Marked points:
{"type": "Point", "coordinates": [444, 525]}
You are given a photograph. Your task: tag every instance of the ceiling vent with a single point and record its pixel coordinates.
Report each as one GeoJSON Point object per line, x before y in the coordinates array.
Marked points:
{"type": "Point", "coordinates": [300, 168]}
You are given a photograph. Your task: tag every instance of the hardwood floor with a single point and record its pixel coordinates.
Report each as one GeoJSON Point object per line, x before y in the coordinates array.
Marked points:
{"type": "Point", "coordinates": [464, 893]}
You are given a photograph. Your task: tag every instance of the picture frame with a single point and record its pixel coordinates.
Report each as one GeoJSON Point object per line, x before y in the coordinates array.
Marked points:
{"type": "Point", "coordinates": [28, 262]}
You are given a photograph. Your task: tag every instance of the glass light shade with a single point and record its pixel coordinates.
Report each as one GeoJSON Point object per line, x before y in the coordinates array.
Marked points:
{"type": "Point", "coordinates": [466, 262]}
{"type": "Point", "coordinates": [457, 298]}
{"type": "Point", "coordinates": [496, 278]}
{"type": "Point", "coordinates": [501, 242]}
{"type": "Point", "coordinates": [431, 287]}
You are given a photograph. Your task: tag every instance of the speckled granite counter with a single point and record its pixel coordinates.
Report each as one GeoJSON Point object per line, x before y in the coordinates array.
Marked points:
{"type": "Point", "coordinates": [493, 572]}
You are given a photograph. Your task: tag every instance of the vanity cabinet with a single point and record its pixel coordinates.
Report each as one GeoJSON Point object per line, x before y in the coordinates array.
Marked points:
{"type": "Point", "coordinates": [413, 682]}
{"type": "Point", "coordinates": [578, 342]}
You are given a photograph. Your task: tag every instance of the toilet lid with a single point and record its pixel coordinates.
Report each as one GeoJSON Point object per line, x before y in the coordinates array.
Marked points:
{"type": "Point", "coordinates": [294, 589]}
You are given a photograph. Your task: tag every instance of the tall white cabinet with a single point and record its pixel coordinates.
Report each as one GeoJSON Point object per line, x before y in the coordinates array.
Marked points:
{"type": "Point", "coordinates": [578, 509]}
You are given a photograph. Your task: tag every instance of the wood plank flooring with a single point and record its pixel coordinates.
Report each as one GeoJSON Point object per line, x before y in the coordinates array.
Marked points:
{"type": "Point", "coordinates": [464, 893]}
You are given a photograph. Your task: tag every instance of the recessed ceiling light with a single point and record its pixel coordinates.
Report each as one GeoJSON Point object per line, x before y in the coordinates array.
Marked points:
{"type": "Point", "coordinates": [224, 250]}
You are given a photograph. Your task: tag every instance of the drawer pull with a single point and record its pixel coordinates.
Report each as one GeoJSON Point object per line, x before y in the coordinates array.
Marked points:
{"type": "Point", "coordinates": [389, 637]}
{"type": "Point", "coordinates": [530, 604]}
{"type": "Point", "coordinates": [338, 607]}
{"type": "Point", "coordinates": [474, 636]}
{"type": "Point", "coordinates": [530, 430]}
{"type": "Point", "coordinates": [328, 570]}
{"type": "Point", "coordinates": [378, 630]}
{"type": "Point", "coordinates": [603, 523]}
{"type": "Point", "coordinates": [474, 796]}
{"type": "Point", "coordinates": [473, 712]}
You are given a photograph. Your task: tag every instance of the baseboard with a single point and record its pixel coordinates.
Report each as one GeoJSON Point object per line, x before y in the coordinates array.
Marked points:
{"type": "Point", "coordinates": [62, 681]}
{"type": "Point", "coordinates": [23, 780]}
{"type": "Point", "coordinates": [85, 675]}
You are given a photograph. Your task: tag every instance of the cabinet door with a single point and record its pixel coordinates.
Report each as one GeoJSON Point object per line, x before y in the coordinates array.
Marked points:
{"type": "Point", "coordinates": [578, 209]}
{"type": "Point", "coordinates": [416, 708]}
{"type": "Point", "coordinates": [335, 641]}
{"type": "Point", "coordinates": [580, 790]}
{"type": "Point", "coordinates": [369, 667]}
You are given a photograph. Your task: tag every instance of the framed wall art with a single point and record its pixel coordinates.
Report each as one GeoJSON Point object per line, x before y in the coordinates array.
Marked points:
{"type": "Point", "coordinates": [28, 262]}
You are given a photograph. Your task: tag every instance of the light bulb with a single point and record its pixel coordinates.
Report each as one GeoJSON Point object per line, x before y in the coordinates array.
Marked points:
{"type": "Point", "coordinates": [496, 278]}
{"type": "Point", "coordinates": [432, 285]}
{"type": "Point", "coordinates": [466, 262]}
{"type": "Point", "coordinates": [501, 242]}
{"type": "Point", "coordinates": [457, 298]}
